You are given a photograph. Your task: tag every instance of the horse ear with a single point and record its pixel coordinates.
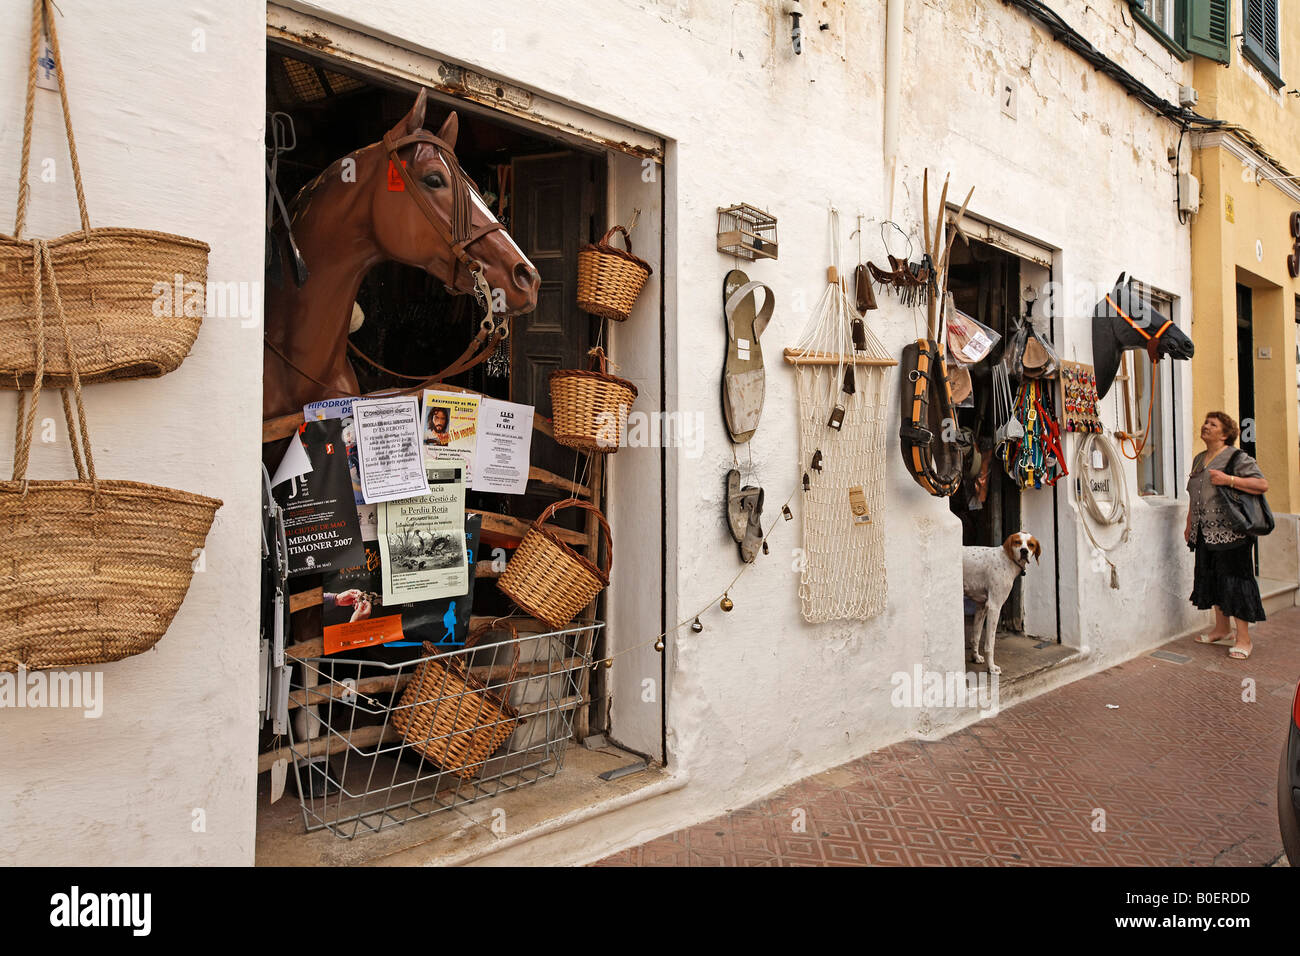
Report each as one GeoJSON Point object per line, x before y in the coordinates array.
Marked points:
{"type": "Point", "coordinates": [450, 126]}
{"type": "Point", "coordinates": [1120, 281]}
{"type": "Point", "coordinates": [413, 120]}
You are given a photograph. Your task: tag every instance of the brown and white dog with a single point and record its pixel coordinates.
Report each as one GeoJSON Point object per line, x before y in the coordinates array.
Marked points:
{"type": "Point", "coordinates": [987, 575]}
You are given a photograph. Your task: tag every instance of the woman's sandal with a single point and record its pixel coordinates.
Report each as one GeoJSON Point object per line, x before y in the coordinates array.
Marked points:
{"type": "Point", "coordinates": [1240, 654]}
{"type": "Point", "coordinates": [1227, 640]}
{"type": "Point", "coordinates": [743, 378]}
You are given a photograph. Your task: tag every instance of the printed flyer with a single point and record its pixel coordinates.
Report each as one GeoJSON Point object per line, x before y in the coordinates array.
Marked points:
{"type": "Point", "coordinates": [420, 541]}
{"type": "Point", "coordinates": [355, 615]}
{"type": "Point", "coordinates": [320, 518]}
{"type": "Point", "coordinates": [505, 443]}
{"type": "Point", "coordinates": [388, 447]}
{"type": "Point", "coordinates": [340, 408]}
{"type": "Point", "coordinates": [450, 428]}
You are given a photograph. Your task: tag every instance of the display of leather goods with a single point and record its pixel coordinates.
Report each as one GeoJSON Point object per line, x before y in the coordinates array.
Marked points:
{"type": "Point", "coordinates": [1079, 399]}
{"type": "Point", "coordinates": [1126, 318]}
{"type": "Point", "coordinates": [320, 513]}
{"type": "Point", "coordinates": [1246, 513]}
{"type": "Point", "coordinates": [461, 242]}
{"type": "Point", "coordinates": [744, 378]}
{"type": "Point", "coordinates": [842, 445]}
{"type": "Point", "coordinates": [1039, 359]}
{"type": "Point", "coordinates": [95, 569]}
{"type": "Point", "coordinates": [929, 447]}
{"type": "Point", "coordinates": [550, 580]}
{"type": "Point", "coordinates": [610, 279]}
{"type": "Point", "coordinates": [134, 298]}
{"type": "Point", "coordinates": [1036, 459]}
{"type": "Point", "coordinates": [959, 383]}
{"type": "Point", "coordinates": [354, 614]}
{"type": "Point", "coordinates": [590, 406]}
{"type": "Point", "coordinates": [453, 717]}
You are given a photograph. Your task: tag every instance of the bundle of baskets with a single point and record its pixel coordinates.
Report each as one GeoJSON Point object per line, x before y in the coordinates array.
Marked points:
{"type": "Point", "coordinates": [550, 580]}
{"type": "Point", "coordinates": [609, 279]}
{"type": "Point", "coordinates": [589, 406]}
{"type": "Point", "coordinates": [451, 716]}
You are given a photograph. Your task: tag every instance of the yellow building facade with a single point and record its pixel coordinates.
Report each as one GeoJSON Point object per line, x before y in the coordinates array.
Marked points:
{"type": "Point", "coordinates": [1246, 234]}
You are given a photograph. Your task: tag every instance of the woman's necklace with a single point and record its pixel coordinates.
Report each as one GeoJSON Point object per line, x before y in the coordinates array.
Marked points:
{"type": "Point", "coordinates": [1210, 455]}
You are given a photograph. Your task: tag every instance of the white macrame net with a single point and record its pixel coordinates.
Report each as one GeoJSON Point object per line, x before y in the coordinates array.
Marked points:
{"type": "Point", "coordinates": [844, 573]}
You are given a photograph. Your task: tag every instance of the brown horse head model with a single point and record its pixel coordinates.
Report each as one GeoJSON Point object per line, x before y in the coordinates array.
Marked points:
{"type": "Point", "coordinates": [362, 210]}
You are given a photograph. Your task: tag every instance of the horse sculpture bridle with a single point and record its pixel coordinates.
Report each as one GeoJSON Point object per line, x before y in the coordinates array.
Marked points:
{"type": "Point", "coordinates": [1153, 353]}
{"type": "Point", "coordinates": [459, 237]}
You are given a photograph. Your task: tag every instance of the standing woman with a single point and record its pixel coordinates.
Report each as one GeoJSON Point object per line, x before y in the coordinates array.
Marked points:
{"type": "Point", "coordinates": [1225, 571]}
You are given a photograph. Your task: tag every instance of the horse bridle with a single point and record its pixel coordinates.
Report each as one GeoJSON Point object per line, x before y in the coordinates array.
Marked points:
{"type": "Point", "coordinates": [461, 235]}
{"type": "Point", "coordinates": [1153, 341]}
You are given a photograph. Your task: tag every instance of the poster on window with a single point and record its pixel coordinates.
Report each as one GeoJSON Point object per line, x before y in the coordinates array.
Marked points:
{"type": "Point", "coordinates": [355, 615]}
{"type": "Point", "coordinates": [340, 408]}
{"type": "Point", "coordinates": [505, 438]}
{"type": "Point", "coordinates": [450, 429]}
{"type": "Point", "coordinates": [320, 518]}
{"type": "Point", "coordinates": [421, 540]}
{"type": "Point", "coordinates": [388, 448]}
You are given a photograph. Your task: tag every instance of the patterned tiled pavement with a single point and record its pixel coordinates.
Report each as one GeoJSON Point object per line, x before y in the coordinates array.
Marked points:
{"type": "Point", "coordinates": [1184, 770]}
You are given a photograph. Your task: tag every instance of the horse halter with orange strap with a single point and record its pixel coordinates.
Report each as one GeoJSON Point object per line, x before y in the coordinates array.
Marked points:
{"type": "Point", "coordinates": [462, 233]}
{"type": "Point", "coordinates": [1153, 341]}
{"type": "Point", "coordinates": [1153, 352]}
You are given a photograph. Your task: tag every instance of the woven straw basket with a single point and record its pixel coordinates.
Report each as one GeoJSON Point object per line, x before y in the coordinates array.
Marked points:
{"type": "Point", "coordinates": [450, 716]}
{"type": "Point", "coordinates": [90, 571]}
{"type": "Point", "coordinates": [124, 290]}
{"type": "Point", "coordinates": [609, 279]}
{"type": "Point", "coordinates": [550, 580]}
{"type": "Point", "coordinates": [589, 407]}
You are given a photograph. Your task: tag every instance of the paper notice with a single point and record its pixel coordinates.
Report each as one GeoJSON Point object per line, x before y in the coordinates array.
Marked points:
{"type": "Point", "coordinates": [422, 541]}
{"type": "Point", "coordinates": [450, 427]}
{"type": "Point", "coordinates": [388, 448]}
{"type": "Point", "coordinates": [505, 437]}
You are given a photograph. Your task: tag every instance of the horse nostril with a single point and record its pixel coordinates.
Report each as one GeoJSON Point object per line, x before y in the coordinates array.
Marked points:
{"type": "Point", "coordinates": [526, 276]}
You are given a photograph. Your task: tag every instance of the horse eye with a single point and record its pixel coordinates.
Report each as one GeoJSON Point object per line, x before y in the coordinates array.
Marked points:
{"type": "Point", "coordinates": [434, 181]}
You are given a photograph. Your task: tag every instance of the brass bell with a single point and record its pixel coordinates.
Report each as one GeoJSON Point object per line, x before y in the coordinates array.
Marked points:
{"type": "Point", "coordinates": [659, 645]}
{"type": "Point", "coordinates": [696, 626]}
{"type": "Point", "coordinates": [726, 603]}
{"type": "Point", "coordinates": [609, 662]}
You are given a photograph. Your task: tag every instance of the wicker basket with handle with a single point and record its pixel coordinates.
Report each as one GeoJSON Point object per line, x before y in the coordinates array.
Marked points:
{"type": "Point", "coordinates": [132, 296]}
{"type": "Point", "coordinates": [550, 580]}
{"type": "Point", "coordinates": [452, 717]}
{"type": "Point", "coordinates": [90, 571]}
{"type": "Point", "coordinates": [609, 279]}
{"type": "Point", "coordinates": [589, 406]}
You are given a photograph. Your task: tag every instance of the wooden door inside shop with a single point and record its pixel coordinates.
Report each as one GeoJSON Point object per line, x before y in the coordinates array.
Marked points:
{"type": "Point", "coordinates": [550, 197]}
{"type": "Point", "coordinates": [985, 283]}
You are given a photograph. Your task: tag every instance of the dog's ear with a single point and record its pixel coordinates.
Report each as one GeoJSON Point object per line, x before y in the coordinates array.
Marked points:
{"type": "Point", "coordinates": [1035, 547]}
{"type": "Point", "coordinates": [1009, 546]}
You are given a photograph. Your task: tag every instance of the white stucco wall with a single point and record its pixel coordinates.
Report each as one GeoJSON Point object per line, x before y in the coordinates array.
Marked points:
{"type": "Point", "coordinates": [169, 138]}
{"type": "Point", "coordinates": [759, 698]}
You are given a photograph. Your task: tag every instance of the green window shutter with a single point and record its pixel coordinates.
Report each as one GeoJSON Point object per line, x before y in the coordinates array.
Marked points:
{"type": "Point", "coordinates": [1206, 23]}
{"type": "Point", "coordinates": [1260, 40]}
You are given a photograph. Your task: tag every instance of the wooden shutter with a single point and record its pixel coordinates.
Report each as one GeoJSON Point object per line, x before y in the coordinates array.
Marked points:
{"type": "Point", "coordinates": [1260, 39]}
{"type": "Point", "coordinates": [1207, 23]}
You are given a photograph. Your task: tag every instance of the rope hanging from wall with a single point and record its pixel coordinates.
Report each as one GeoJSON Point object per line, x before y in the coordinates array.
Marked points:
{"type": "Point", "coordinates": [842, 380]}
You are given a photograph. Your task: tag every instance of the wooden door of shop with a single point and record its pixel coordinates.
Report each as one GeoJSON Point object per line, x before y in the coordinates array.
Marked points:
{"type": "Point", "coordinates": [555, 209]}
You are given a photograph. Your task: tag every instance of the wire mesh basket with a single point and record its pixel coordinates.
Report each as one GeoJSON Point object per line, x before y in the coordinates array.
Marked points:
{"type": "Point", "coordinates": [357, 772]}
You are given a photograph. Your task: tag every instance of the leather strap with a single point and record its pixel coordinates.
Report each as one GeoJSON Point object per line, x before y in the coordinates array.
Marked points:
{"type": "Point", "coordinates": [917, 440]}
{"type": "Point", "coordinates": [1153, 341]}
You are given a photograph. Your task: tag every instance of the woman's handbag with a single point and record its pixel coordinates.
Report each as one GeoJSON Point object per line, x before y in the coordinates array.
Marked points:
{"type": "Point", "coordinates": [132, 296]}
{"type": "Point", "coordinates": [1246, 513]}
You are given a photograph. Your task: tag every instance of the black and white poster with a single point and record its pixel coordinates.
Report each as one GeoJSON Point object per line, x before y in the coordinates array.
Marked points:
{"type": "Point", "coordinates": [320, 515]}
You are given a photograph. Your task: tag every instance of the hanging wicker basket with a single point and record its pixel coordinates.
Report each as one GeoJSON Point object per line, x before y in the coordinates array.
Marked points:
{"type": "Point", "coordinates": [93, 571]}
{"type": "Point", "coordinates": [450, 716]}
{"type": "Point", "coordinates": [589, 406]}
{"type": "Point", "coordinates": [550, 580]}
{"type": "Point", "coordinates": [134, 298]}
{"type": "Point", "coordinates": [609, 279]}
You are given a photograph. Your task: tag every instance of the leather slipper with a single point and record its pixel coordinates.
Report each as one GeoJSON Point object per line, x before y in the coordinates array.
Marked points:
{"type": "Point", "coordinates": [753, 541]}
{"type": "Point", "coordinates": [743, 378]}
{"type": "Point", "coordinates": [737, 519]}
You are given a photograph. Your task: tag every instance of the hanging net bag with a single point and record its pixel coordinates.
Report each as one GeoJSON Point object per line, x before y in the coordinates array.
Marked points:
{"type": "Point", "coordinates": [842, 377]}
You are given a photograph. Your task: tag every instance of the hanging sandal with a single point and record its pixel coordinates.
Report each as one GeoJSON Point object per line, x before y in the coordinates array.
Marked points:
{"type": "Point", "coordinates": [753, 541]}
{"type": "Point", "coordinates": [743, 377]}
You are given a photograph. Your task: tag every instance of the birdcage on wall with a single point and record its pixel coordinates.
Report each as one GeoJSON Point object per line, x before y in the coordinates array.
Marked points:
{"type": "Point", "coordinates": [747, 232]}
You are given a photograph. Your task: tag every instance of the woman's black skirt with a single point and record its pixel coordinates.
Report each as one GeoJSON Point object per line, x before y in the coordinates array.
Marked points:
{"type": "Point", "coordinates": [1226, 580]}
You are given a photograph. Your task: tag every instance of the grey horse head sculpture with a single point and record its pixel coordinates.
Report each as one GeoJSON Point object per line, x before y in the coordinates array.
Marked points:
{"type": "Point", "coordinates": [1127, 319]}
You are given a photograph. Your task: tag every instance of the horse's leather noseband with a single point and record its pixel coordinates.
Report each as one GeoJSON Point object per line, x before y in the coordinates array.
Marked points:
{"type": "Point", "coordinates": [1153, 341]}
{"type": "Point", "coordinates": [461, 234]}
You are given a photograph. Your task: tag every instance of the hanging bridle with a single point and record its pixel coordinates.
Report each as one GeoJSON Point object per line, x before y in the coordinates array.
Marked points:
{"type": "Point", "coordinates": [1153, 341]}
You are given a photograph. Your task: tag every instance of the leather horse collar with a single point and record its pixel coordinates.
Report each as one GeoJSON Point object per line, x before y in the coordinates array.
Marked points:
{"type": "Point", "coordinates": [461, 234]}
{"type": "Point", "coordinates": [1153, 341]}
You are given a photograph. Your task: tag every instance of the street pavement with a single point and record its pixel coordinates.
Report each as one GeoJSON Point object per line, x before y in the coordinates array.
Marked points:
{"type": "Point", "coordinates": [1150, 762]}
